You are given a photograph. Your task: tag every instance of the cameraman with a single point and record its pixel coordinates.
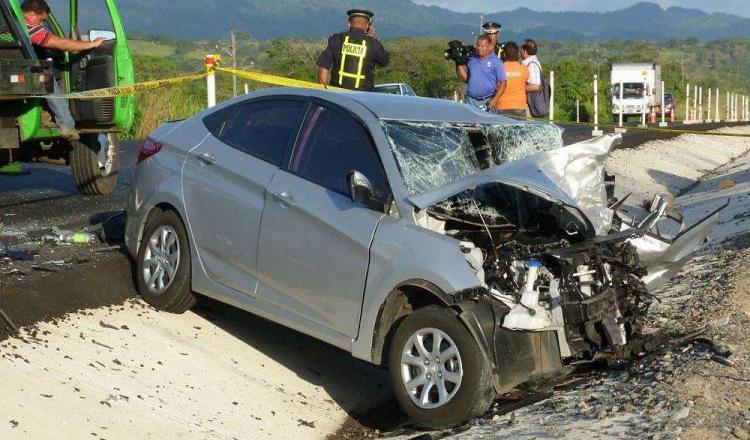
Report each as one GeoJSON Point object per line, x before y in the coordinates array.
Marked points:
{"type": "Point", "coordinates": [484, 76]}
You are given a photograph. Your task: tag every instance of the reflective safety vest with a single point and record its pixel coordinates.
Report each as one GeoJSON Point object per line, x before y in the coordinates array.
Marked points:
{"type": "Point", "coordinates": [352, 62]}
{"type": "Point", "coordinates": [499, 48]}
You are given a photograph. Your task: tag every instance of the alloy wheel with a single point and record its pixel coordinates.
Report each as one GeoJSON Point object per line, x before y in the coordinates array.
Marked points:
{"type": "Point", "coordinates": [431, 368]}
{"type": "Point", "coordinates": [161, 259]}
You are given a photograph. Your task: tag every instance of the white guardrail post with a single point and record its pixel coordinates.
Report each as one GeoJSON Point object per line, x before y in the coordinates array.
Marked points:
{"type": "Point", "coordinates": [687, 104]}
{"type": "Point", "coordinates": [695, 103]}
{"type": "Point", "coordinates": [663, 122]}
{"type": "Point", "coordinates": [700, 105]}
{"type": "Point", "coordinates": [727, 107]}
{"type": "Point", "coordinates": [211, 81]}
{"type": "Point", "coordinates": [578, 110]}
{"type": "Point", "coordinates": [708, 117]}
{"type": "Point", "coordinates": [596, 131]}
{"type": "Point", "coordinates": [643, 109]}
{"type": "Point", "coordinates": [717, 116]}
{"type": "Point", "coordinates": [552, 96]}
{"type": "Point", "coordinates": [247, 88]}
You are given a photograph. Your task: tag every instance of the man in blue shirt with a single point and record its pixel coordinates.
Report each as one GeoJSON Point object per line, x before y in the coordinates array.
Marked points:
{"type": "Point", "coordinates": [484, 76]}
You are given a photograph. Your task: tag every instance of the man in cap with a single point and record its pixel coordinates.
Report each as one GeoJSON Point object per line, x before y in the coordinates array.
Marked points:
{"type": "Point", "coordinates": [484, 76]}
{"type": "Point", "coordinates": [349, 59]}
{"type": "Point", "coordinates": [493, 29]}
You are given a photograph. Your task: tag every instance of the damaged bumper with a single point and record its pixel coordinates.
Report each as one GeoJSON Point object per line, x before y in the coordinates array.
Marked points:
{"type": "Point", "coordinates": [664, 256]}
{"type": "Point", "coordinates": [516, 356]}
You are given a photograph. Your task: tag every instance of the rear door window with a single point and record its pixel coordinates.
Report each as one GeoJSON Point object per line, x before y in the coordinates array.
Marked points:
{"type": "Point", "coordinates": [264, 129]}
{"type": "Point", "coordinates": [331, 145]}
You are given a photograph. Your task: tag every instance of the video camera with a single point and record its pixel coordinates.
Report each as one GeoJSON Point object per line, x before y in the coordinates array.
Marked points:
{"type": "Point", "coordinates": [459, 53]}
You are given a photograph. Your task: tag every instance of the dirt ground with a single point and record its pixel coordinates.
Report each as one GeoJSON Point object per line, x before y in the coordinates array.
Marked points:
{"type": "Point", "coordinates": [111, 367]}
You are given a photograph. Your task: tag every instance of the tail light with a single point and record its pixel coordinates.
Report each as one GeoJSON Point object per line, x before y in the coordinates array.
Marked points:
{"type": "Point", "coordinates": [149, 147]}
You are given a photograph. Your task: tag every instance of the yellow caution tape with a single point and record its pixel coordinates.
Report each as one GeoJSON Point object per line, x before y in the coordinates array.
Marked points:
{"type": "Point", "coordinates": [109, 92]}
{"type": "Point", "coordinates": [277, 80]}
{"type": "Point", "coordinates": [266, 78]}
{"type": "Point", "coordinates": [287, 82]}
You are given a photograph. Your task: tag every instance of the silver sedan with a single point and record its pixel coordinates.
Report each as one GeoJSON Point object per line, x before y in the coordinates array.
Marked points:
{"type": "Point", "coordinates": [468, 252]}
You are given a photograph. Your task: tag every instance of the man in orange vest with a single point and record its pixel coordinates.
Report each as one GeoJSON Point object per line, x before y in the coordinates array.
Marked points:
{"type": "Point", "coordinates": [513, 100]}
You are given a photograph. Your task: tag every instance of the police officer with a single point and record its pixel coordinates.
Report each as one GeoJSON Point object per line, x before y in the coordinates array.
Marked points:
{"type": "Point", "coordinates": [493, 29]}
{"type": "Point", "coordinates": [349, 59]}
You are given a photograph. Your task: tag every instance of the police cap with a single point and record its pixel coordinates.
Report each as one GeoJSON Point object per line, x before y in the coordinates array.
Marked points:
{"type": "Point", "coordinates": [491, 27]}
{"type": "Point", "coordinates": [360, 13]}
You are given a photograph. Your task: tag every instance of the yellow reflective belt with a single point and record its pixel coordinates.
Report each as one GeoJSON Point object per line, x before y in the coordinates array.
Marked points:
{"type": "Point", "coordinates": [353, 50]}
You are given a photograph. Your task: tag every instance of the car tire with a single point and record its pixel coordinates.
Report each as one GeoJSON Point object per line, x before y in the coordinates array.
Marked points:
{"type": "Point", "coordinates": [469, 398]}
{"type": "Point", "coordinates": [90, 178]}
{"type": "Point", "coordinates": [164, 246]}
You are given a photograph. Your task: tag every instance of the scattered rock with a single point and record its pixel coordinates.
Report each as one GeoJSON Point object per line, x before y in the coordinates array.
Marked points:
{"type": "Point", "coordinates": [740, 433]}
{"type": "Point", "coordinates": [681, 413]}
{"type": "Point", "coordinates": [301, 422]}
{"type": "Point", "coordinates": [726, 184]}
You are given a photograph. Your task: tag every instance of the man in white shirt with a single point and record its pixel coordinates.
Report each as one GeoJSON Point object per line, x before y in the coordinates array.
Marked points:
{"type": "Point", "coordinates": [528, 53]}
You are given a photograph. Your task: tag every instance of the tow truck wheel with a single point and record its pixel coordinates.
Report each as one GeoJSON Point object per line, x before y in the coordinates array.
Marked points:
{"type": "Point", "coordinates": [439, 375]}
{"type": "Point", "coordinates": [95, 161]}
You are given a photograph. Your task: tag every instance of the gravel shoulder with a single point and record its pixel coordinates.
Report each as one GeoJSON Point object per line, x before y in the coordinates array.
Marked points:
{"type": "Point", "coordinates": [108, 366]}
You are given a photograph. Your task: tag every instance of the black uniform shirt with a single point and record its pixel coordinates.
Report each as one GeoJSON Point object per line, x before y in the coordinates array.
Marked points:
{"type": "Point", "coordinates": [330, 58]}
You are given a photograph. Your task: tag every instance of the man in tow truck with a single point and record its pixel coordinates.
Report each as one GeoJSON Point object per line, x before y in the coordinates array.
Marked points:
{"type": "Point", "coordinates": [35, 13]}
{"type": "Point", "coordinates": [349, 59]}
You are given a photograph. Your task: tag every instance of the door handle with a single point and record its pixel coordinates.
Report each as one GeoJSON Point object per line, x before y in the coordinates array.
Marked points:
{"type": "Point", "coordinates": [207, 158]}
{"type": "Point", "coordinates": [285, 198]}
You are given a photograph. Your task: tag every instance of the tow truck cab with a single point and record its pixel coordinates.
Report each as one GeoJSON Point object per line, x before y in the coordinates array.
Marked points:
{"type": "Point", "coordinates": [23, 123]}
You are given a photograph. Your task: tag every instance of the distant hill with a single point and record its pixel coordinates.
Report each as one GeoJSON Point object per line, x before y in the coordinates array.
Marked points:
{"type": "Point", "coordinates": [264, 19]}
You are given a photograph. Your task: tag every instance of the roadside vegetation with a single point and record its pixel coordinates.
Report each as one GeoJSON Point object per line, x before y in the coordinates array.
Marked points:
{"type": "Point", "coordinates": [419, 61]}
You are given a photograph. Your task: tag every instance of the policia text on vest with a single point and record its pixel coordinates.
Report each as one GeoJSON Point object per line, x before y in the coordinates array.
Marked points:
{"type": "Point", "coordinates": [349, 59]}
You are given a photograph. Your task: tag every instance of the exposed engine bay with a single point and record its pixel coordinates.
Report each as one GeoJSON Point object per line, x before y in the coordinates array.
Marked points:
{"type": "Point", "coordinates": [550, 271]}
{"type": "Point", "coordinates": [539, 226]}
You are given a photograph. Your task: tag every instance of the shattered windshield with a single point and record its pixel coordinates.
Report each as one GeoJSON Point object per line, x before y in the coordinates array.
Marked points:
{"type": "Point", "coordinates": [433, 154]}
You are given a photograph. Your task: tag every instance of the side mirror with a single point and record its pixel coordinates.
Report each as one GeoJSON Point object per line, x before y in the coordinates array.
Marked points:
{"type": "Point", "coordinates": [96, 33]}
{"type": "Point", "coordinates": [360, 190]}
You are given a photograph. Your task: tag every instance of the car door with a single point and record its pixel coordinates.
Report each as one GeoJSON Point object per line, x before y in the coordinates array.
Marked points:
{"type": "Point", "coordinates": [224, 183]}
{"type": "Point", "coordinates": [314, 245]}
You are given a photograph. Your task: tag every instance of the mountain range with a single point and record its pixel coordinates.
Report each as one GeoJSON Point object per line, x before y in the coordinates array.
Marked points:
{"type": "Point", "coordinates": [265, 19]}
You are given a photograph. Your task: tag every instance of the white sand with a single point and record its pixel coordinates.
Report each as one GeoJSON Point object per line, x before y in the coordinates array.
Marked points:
{"type": "Point", "coordinates": [183, 376]}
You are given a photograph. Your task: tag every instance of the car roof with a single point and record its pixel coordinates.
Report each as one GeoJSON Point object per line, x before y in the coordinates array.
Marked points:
{"type": "Point", "coordinates": [398, 107]}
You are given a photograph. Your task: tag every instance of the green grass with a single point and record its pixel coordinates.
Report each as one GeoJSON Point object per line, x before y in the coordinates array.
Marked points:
{"type": "Point", "coordinates": [140, 47]}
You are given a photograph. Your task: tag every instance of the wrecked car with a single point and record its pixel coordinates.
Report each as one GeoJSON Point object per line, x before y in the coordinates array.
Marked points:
{"type": "Point", "coordinates": [468, 253]}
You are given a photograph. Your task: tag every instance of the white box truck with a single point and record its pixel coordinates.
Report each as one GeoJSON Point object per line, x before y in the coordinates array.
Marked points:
{"type": "Point", "coordinates": [641, 85]}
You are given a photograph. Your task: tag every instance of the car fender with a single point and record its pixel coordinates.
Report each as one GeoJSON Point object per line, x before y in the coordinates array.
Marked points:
{"type": "Point", "coordinates": [401, 252]}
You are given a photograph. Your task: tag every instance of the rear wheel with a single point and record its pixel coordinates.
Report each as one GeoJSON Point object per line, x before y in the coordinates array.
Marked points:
{"type": "Point", "coordinates": [439, 375]}
{"type": "Point", "coordinates": [95, 161]}
{"type": "Point", "coordinates": [163, 265]}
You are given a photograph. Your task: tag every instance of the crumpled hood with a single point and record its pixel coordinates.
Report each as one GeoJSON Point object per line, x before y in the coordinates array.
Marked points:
{"type": "Point", "coordinates": [573, 175]}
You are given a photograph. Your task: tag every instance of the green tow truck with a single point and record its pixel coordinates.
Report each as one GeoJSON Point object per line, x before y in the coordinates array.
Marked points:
{"type": "Point", "coordinates": [27, 129]}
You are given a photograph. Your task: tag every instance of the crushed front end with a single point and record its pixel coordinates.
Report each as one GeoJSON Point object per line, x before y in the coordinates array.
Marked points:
{"type": "Point", "coordinates": [562, 276]}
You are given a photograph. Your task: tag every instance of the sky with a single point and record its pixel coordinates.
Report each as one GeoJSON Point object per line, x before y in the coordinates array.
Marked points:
{"type": "Point", "coordinates": [737, 7]}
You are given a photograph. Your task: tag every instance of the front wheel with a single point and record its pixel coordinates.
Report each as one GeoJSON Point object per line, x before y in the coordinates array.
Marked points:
{"type": "Point", "coordinates": [94, 160]}
{"type": "Point", "coordinates": [439, 375]}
